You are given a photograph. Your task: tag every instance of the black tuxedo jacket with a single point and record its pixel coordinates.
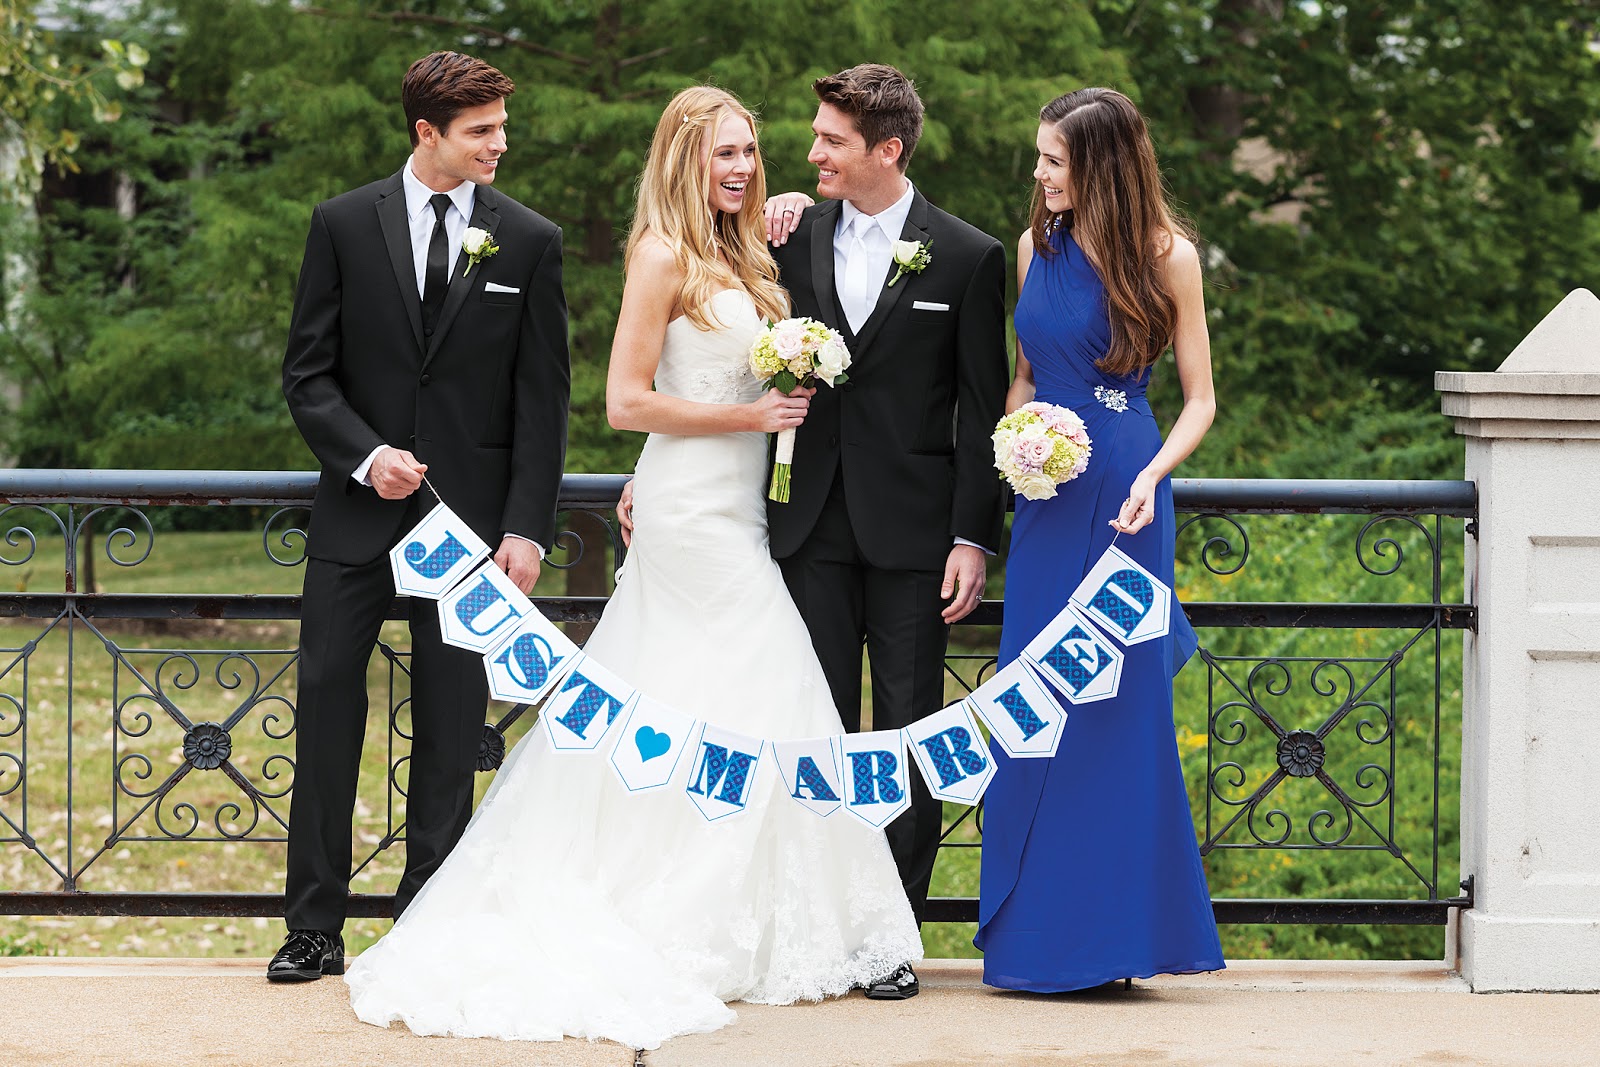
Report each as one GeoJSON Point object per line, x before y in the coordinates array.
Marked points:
{"type": "Point", "coordinates": [482, 401]}
{"type": "Point", "coordinates": [911, 429]}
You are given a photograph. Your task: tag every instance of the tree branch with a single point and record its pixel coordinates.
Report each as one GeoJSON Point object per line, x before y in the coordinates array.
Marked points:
{"type": "Point", "coordinates": [454, 24]}
{"type": "Point", "coordinates": [657, 53]}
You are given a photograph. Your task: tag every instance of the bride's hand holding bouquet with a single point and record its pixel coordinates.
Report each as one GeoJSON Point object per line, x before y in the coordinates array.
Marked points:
{"type": "Point", "coordinates": [788, 355]}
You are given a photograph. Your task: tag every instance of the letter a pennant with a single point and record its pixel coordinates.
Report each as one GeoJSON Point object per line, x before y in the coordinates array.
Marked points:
{"type": "Point", "coordinates": [810, 770]}
{"type": "Point", "coordinates": [1022, 716]}
{"type": "Point", "coordinates": [435, 555]}
{"type": "Point", "coordinates": [877, 780]}
{"type": "Point", "coordinates": [724, 772]}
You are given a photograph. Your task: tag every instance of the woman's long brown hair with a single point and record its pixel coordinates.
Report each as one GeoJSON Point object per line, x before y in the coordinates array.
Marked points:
{"type": "Point", "coordinates": [1121, 211]}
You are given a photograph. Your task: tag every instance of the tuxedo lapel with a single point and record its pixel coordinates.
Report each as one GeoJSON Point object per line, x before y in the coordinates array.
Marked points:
{"type": "Point", "coordinates": [889, 296]}
{"type": "Point", "coordinates": [822, 281]}
{"type": "Point", "coordinates": [397, 237]}
{"type": "Point", "coordinates": [462, 276]}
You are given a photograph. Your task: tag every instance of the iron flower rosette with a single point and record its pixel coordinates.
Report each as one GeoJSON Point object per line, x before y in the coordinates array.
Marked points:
{"type": "Point", "coordinates": [207, 746]}
{"type": "Point", "coordinates": [1301, 754]}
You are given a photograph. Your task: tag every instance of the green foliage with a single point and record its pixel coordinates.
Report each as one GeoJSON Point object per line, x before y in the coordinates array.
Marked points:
{"type": "Point", "coordinates": [1385, 190]}
{"type": "Point", "coordinates": [37, 77]}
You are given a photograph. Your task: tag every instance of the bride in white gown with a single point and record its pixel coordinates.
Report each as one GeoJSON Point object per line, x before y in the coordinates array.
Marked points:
{"type": "Point", "coordinates": [571, 906]}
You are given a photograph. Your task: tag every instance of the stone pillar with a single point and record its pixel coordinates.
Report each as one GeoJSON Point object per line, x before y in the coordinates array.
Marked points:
{"type": "Point", "coordinates": [1530, 737]}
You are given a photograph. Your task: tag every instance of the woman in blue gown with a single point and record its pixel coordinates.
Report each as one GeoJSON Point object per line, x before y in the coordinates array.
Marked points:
{"type": "Point", "coordinates": [1091, 872]}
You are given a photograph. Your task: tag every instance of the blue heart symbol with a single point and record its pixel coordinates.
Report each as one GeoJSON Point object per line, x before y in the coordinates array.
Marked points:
{"type": "Point", "coordinates": [651, 744]}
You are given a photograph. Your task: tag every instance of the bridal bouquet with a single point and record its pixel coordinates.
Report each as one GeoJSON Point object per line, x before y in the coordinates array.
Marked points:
{"type": "Point", "coordinates": [790, 353]}
{"type": "Point", "coordinates": [1039, 446]}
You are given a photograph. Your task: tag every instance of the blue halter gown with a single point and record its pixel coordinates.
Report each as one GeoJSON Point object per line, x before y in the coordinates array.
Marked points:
{"type": "Point", "coordinates": [1091, 871]}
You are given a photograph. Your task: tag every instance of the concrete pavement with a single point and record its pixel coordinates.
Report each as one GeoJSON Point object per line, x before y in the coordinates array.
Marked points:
{"type": "Point", "coordinates": [174, 1013]}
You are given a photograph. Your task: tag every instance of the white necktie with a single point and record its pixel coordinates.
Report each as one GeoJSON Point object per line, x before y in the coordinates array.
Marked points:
{"type": "Point", "coordinates": [857, 295]}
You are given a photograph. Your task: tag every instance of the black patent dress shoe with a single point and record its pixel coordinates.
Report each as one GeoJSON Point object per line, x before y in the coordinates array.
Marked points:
{"type": "Point", "coordinates": [901, 985]}
{"type": "Point", "coordinates": [307, 955]}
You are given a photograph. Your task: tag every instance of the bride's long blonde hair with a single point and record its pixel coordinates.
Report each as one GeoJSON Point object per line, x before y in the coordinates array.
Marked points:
{"type": "Point", "coordinates": [674, 207]}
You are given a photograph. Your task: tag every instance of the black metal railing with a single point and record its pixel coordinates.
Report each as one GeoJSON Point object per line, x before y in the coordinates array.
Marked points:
{"type": "Point", "coordinates": [191, 739]}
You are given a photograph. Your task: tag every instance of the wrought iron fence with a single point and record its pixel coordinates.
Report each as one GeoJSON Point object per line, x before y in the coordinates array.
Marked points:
{"type": "Point", "coordinates": [191, 740]}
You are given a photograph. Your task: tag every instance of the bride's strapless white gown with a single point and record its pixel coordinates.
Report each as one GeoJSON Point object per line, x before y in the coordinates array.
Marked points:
{"type": "Point", "coordinates": [572, 907]}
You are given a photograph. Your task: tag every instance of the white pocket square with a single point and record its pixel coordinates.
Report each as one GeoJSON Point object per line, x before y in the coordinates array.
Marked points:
{"type": "Point", "coordinates": [928, 305]}
{"type": "Point", "coordinates": [496, 287]}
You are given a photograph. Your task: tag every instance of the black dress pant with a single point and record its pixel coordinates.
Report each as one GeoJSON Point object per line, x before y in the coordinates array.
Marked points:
{"type": "Point", "coordinates": [846, 603]}
{"type": "Point", "coordinates": [342, 610]}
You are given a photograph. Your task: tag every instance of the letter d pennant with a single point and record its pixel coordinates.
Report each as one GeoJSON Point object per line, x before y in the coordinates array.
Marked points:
{"type": "Point", "coordinates": [951, 754]}
{"type": "Point", "coordinates": [723, 773]}
{"type": "Point", "coordinates": [877, 780]}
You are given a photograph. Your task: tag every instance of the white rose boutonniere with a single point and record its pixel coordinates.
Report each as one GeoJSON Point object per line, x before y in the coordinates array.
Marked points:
{"type": "Point", "coordinates": [479, 245]}
{"type": "Point", "coordinates": [911, 257]}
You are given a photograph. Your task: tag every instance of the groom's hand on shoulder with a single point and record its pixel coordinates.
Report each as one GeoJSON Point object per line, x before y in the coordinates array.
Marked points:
{"type": "Point", "coordinates": [520, 560]}
{"type": "Point", "coordinates": [396, 473]}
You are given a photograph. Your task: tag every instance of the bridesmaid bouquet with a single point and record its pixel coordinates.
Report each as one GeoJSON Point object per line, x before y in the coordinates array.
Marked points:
{"type": "Point", "coordinates": [791, 353]}
{"type": "Point", "coordinates": [1039, 446]}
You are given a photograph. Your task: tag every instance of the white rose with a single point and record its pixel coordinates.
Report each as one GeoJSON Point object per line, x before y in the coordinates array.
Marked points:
{"type": "Point", "coordinates": [1035, 485]}
{"type": "Point", "coordinates": [474, 240]}
{"type": "Point", "coordinates": [906, 251]}
{"type": "Point", "coordinates": [832, 359]}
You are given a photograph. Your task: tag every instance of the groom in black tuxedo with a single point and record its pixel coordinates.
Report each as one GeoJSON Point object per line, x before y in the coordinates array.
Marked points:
{"type": "Point", "coordinates": [408, 355]}
{"type": "Point", "coordinates": [894, 497]}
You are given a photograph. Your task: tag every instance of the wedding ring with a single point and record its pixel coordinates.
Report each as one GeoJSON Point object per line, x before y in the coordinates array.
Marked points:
{"type": "Point", "coordinates": [788, 211]}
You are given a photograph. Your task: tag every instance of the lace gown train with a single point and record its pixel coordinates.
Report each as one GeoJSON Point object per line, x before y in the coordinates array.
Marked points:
{"type": "Point", "coordinates": [572, 907]}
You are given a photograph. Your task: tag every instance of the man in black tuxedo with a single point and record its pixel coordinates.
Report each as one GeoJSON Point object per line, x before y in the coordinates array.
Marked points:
{"type": "Point", "coordinates": [407, 355]}
{"type": "Point", "coordinates": [894, 497]}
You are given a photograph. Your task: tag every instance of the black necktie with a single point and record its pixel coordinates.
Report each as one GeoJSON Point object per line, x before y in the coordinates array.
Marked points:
{"type": "Point", "coordinates": [436, 278]}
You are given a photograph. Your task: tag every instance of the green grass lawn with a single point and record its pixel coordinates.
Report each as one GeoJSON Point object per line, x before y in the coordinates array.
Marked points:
{"type": "Point", "coordinates": [122, 672]}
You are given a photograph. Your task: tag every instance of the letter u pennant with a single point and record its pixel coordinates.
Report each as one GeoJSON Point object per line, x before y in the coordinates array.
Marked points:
{"type": "Point", "coordinates": [877, 782]}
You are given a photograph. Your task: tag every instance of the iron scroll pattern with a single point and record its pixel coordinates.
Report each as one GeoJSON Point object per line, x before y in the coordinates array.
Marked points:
{"type": "Point", "coordinates": [1301, 751]}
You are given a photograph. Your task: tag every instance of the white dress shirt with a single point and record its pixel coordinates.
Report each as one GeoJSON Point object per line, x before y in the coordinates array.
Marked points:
{"type": "Point", "coordinates": [863, 248]}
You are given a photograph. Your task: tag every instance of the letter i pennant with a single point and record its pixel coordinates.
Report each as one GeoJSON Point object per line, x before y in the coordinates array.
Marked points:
{"type": "Point", "coordinates": [1023, 718]}
{"type": "Point", "coordinates": [877, 780]}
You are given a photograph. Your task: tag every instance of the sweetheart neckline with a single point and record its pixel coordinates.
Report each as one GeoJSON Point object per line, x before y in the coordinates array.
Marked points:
{"type": "Point", "coordinates": [731, 289]}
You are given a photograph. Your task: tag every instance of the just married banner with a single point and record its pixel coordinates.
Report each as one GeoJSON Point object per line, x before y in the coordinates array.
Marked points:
{"type": "Point", "coordinates": [652, 747]}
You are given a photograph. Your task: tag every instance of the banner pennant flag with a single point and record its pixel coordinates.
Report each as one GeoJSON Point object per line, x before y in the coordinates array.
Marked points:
{"type": "Point", "coordinates": [877, 781]}
{"type": "Point", "coordinates": [585, 707]}
{"type": "Point", "coordinates": [1075, 657]}
{"type": "Point", "coordinates": [1124, 599]}
{"type": "Point", "coordinates": [951, 754]}
{"type": "Point", "coordinates": [437, 553]}
{"type": "Point", "coordinates": [810, 770]}
{"type": "Point", "coordinates": [1022, 716]}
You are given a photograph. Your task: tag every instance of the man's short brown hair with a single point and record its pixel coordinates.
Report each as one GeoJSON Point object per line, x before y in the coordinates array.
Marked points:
{"type": "Point", "coordinates": [442, 85]}
{"type": "Point", "coordinates": [880, 100]}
